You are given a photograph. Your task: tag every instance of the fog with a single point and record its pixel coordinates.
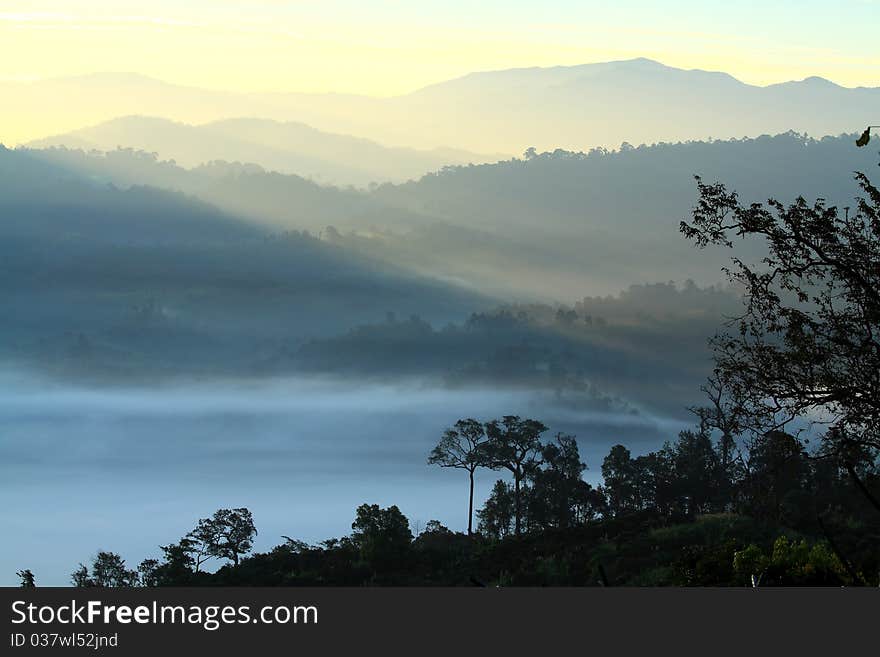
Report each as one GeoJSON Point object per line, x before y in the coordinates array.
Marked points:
{"type": "Point", "coordinates": [129, 469]}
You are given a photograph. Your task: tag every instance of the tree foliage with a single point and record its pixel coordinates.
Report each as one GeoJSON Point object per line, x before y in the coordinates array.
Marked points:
{"type": "Point", "coordinates": [465, 448]}
{"type": "Point", "coordinates": [807, 345]}
{"type": "Point", "coordinates": [382, 536]}
{"type": "Point", "coordinates": [514, 443]}
{"type": "Point", "coordinates": [228, 534]}
{"type": "Point", "coordinates": [108, 570]}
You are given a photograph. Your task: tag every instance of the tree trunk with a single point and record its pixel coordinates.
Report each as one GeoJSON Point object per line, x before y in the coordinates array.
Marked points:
{"type": "Point", "coordinates": [517, 514]}
{"type": "Point", "coordinates": [471, 506]}
{"type": "Point", "coordinates": [861, 486]}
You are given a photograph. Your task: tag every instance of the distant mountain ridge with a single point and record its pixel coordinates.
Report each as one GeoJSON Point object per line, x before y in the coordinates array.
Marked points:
{"type": "Point", "coordinates": [558, 224]}
{"type": "Point", "coordinates": [571, 107]}
{"type": "Point", "coordinates": [99, 279]}
{"type": "Point", "coordinates": [286, 147]}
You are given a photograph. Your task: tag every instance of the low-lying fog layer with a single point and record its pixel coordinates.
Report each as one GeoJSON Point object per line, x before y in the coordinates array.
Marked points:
{"type": "Point", "coordinates": [127, 470]}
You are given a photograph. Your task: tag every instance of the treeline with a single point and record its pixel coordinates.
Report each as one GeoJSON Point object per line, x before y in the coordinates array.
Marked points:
{"type": "Point", "coordinates": [698, 511]}
{"type": "Point", "coordinates": [638, 346]}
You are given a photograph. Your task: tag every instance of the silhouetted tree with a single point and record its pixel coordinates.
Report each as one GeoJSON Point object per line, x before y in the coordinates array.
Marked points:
{"type": "Point", "coordinates": [697, 473]}
{"type": "Point", "coordinates": [108, 570]}
{"type": "Point", "coordinates": [80, 577]}
{"type": "Point", "coordinates": [436, 527]}
{"type": "Point", "coordinates": [382, 536]}
{"type": "Point", "coordinates": [179, 563]}
{"type": "Point", "coordinates": [651, 481]}
{"type": "Point", "coordinates": [618, 471]}
{"type": "Point", "coordinates": [806, 344]}
{"type": "Point", "coordinates": [148, 572]}
{"type": "Point", "coordinates": [513, 445]}
{"type": "Point", "coordinates": [558, 492]}
{"type": "Point", "coordinates": [721, 415]}
{"type": "Point", "coordinates": [27, 579]}
{"type": "Point", "coordinates": [496, 516]}
{"type": "Point", "coordinates": [463, 447]}
{"type": "Point", "coordinates": [777, 480]}
{"type": "Point", "coordinates": [228, 534]}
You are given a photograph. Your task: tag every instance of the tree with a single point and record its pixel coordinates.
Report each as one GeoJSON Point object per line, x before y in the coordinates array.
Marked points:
{"type": "Point", "coordinates": [27, 579]}
{"type": "Point", "coordinates": [698, 474]}
{"type": "Point", "coordinates": [496, 516]}
{"type": "Point", "coordinates": [777, 479]}
{"type": "Point", "coordinates": [650, 480]}
{"type": "Point", "coordinates": [513, 445]}
{"type": "Point", "coordinates": [148, 572]}
{"type": "Point", "coordinates": [791, 563]}
{"type": "Point", "coordinates": [463, 447]}
{"type": "Point", "coordinates": [228, 534]}
{"type": "Point", "coordinates": [620, 482]}
{"type": "Point", "coordinates": [557, 490]}
{"type": "Point", "coordinates": [382, 535]}
{"type": "Point", "coordinates": [80, 577]}
{"type": "Point", "coordinates": [723, 416]}
{"type": "Point", "coordinates": [436, 527]}
{"type": "Point", "coordinates": [807, 344]}
{"type": "Point", "coordinates": [178, 565]}
{"type": "Point", "coordinates": [108, 570]}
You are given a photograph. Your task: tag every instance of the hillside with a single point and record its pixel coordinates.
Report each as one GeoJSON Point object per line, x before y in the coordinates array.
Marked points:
{"type": "Point", "coordinates": [102, 280]}
{"type": "Point", "coordinates": [554, 226]}
{"type": "Point", "coordinates": [285, 147]}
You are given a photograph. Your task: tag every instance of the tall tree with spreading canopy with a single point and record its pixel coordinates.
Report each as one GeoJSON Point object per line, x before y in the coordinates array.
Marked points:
{"type": "Point", "coordinates": [807, 345]}
{"type": "Point", "coordinates": [514, 443]}
{"type": "Point", "coordinates": [463, 447]}
{"type": "Point", "coordinates": [228, 534]}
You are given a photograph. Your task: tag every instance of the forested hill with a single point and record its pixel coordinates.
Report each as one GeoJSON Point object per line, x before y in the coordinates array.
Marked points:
{"type": "Point", "coordinates": [142, 279]}
{"type": "Point", "coordinates": [633, 184]}
{"type": "Point", "coordinates": [556, 225]}
{"type": "Point", "coordinates": [568, 223]}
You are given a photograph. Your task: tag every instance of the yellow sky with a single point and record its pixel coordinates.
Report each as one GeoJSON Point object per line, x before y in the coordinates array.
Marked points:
{"type": "Point", "coordinates": [389, 47]}
{"type": "Point", "coordinates": [385, 47]}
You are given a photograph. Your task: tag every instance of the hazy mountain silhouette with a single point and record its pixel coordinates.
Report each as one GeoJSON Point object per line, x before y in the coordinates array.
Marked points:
{"type": "Point", "coordinates": [637, 101]}
{"type": "Point", "coordinates": [277, 201]}
{"type": "Point", "coordinates": [500, 111]}
{"type": "Point", "coordinates": [141, 280]}
{"type": "Point", "coordinates": [563, 224]}
{"type": "Point", "coordinates": [133, 282]}
{"type": "Point", "coordinates": [646, 345]}
{"type": "Point", "coordinates": [287, 147]}
{"type": "Point", "coordinates": [559, 225]}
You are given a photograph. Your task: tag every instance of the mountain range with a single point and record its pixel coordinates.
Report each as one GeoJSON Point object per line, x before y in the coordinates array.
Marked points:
{"type": "Point", "coordinates": [570, 107]}
{"type": "Point", "coordinates": [556, 225]}
{"type": "Point", "coordinates": [95, 277]}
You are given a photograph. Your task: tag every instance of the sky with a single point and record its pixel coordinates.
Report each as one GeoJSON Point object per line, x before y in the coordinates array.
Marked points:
{"type": "Point", "coordinates": [389, 47]}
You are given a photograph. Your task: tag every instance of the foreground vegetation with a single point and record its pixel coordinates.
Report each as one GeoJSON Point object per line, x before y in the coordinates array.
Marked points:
{"type": "Point", "coordinates": [697, 512]}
